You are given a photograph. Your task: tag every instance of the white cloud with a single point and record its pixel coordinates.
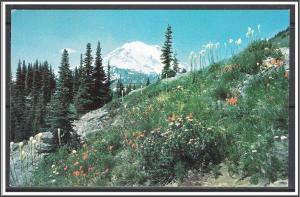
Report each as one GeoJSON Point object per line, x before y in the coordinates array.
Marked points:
{"type": "Point", "coordinates": [69, 50]}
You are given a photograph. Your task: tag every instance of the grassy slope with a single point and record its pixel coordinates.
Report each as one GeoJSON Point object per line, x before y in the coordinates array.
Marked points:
{"type": "Point", "coordinates": [158, 129]}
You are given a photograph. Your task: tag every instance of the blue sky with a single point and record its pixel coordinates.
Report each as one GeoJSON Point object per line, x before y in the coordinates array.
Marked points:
{"type": "Point", "coordinates": [41, 34]}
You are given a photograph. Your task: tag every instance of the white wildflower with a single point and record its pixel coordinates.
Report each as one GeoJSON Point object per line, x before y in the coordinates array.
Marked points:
{"type": "Point", "coordinates": [53, 181]}
{"type": "Point", "coordinates": [53, 166]}
{"type": "Point", "coordinates": [202, 52]}
{"type": "Point", "coordinates": [258, 135]}
{"type": "Point", "coordinates": [21, 144]}
{"type": "Point", "coordinates": [238, 41]}
{"type": "Point", "coordinates": [74, 151]}
{"type": "Point", "coordinates": [33, 142]}
{"type": "Point", "coordinates": [254, 151]}
{"type": "Point", "coordinates": [276, 137]}
{"type": "Point", "coordinates": [40, 135]}
{"type": "Point", "coordinates": [283, 137]}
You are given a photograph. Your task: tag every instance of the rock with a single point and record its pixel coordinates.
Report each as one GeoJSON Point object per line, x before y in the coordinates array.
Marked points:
{"type": "Point", "coordinates": [44, 147]}
{"type": "Point", "coordinates": [279, 183]}
{"type": "Point", "coordinates": [92, 122]}
{"type": "Point", "coordinates": [46, 137]}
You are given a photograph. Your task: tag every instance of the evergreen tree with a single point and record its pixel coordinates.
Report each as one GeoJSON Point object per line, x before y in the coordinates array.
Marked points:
{"type": "Point", "coordinates": [35, 82]}
{"type": "Point", "coordinates": [175, 63]}
{"type": "Point", "coordinates": [38, 122]}
{"type": "Point", "coordinates": [88, 68]}
{"type": "Point", "coordinates": [108, 74]}
{"type": "Point", "coordinates": [18, 106]}
{"type": "Point", "coordinates": [120, 87]}
{"type": "Point", "coordinates": [46, 80]}
{"type": "Point", "coordinates": [59, 114]}
{"type": "Point", "coordinates": [99, 78]}
{"type": "Point", "coordinates": [80, 69]}
{"type": "Point", "coordinates": [148, 82]}
{"type": "Point", "coordinates": [23, 76]}
{"type": "Point", "coordinates": [84, 98]}
{"type": "Point", "coordinates": [76, 80]}
{"type": "Point", "coordinates": [52, 81]}
{"type": "Point", "coordinates": [65, 80]}
{"type": "Point", "coordinates": [166, 56]}
{"type": "Point", "coordinates": [29, 79]}
{"type": "Point", "coordinates": [108, 83]}
{"type": "Point", "coordinates": [11, 127]}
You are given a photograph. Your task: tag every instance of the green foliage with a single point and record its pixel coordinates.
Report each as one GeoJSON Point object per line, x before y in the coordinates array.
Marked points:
{"type": "Point", "coordinates": [166, 56]}
{"type": "Point", "coordinates": [214, 67]}
{"type": "Point", "coordinates": [281, 39]}
{"type": "Point", "coordinates": [186, 143]}
{"type": "Point", "coordinates": [252, 57]}
{"type": "Point", "coordinates": [221, 92]}
{"type": "Point", "coordinates": [101, 88]}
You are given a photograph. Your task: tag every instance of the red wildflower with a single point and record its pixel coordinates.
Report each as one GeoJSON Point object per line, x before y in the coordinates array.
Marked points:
{"type": "Point", "coordinates": [66, 168]}
{"type": "Point", "coordinates": [232, 101]}
{"type": "Point", "coordinates": [85, 156]}
{"type": "Point", "coordinates": [286, 74]}
{"type": "Point", "coordinates": [76, 173]}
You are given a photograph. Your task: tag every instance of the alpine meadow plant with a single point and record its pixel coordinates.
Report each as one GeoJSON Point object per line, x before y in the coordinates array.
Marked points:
{"type": "Point", "coordinates": [186, 143]}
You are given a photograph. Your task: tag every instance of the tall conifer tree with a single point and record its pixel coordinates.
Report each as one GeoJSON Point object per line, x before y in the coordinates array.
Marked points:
{"type": "Point", "coordinates": [166, 56]}
{"type": "Point", "coordinates": [84, 99]}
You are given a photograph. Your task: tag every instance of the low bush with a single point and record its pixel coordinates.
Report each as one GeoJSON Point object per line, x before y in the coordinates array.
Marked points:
{"type": "Point", "coordinates": [186, 143]}
{"type": "Point", "coordinates": [252, 57]}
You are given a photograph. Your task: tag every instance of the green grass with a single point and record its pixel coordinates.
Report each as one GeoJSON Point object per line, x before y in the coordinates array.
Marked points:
{"type": "Point", "coordinates": [185, 124]}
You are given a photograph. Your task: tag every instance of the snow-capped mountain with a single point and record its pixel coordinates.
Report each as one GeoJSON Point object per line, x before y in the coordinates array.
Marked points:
{"type": "Point", "coordinates": [137, 57]}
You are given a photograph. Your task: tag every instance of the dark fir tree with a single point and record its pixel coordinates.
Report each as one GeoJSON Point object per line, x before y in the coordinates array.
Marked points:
{"type": "Point", "coordinates": [120, 87]}
{"type": "Point", "coordinates": [35, 82]}
{"type": "Point", "coordinates": [166, 55]}
{"type": "Point", "coordinates": [18, 106]}
{"type": "Point", "coordinates": [80, 69]}
{"type": "Point", "coordinates": [175, 63]}
{"type": "Point", "coordinates": [148, 82]}
{"type": "Point", "coordinates": [76, 80]}
{"type": "Point", "coordinates": [29, 79]}
{"type": "Point", "coordinates": [46, 84]}
{"type": "Point", "coordinates": [65, 80]}
{"type": "Point", "coordinates": [84, 98]}
{"type": "Point", "coordinates": [52, 81]}
{"type": "Point", "coordinates": [108, 83]}
{"type": "Point", "coordinates": [59, 113]}
{"type": "Point", "coordinates": [23, 76]}
{"type": "Point", "coordinates": [99, 78]}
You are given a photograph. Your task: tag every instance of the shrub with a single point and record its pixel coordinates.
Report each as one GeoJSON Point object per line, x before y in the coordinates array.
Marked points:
{"type": "Point", "coordinates": [214, 67]}
{"type": "Point", "coordinates": [186, 143]}
{"type": "Point", "coordinates": [252, 57]}
{"type": "Point", "coordinates": [222, 91]}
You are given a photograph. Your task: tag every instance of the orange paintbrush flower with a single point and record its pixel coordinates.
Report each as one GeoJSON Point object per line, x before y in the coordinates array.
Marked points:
{"type": "Point", "coordinates": [232, 101]}
{"type": "Point", "coordinates": [85, 156]}
{"type": "Point", "coordinates": [286, 74]}
{"type": "Point", "coordinates": [76, 173]}
{"type": "Point", "coordinates": [66, 168]}
{"type": "Point", "coordinates": [172, 117]}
